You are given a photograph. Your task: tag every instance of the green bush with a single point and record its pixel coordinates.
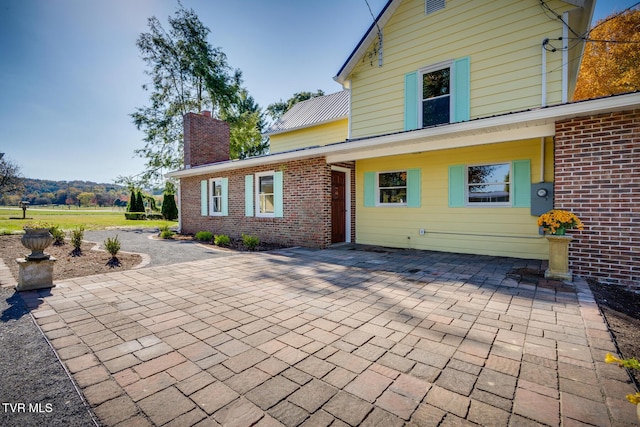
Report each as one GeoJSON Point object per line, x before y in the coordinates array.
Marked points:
{"type": "Point", "coordinates": [204, 236]}
{"type": "Point", "coordinates": [58, 235]}
{"type": "Point", "coordinates": [221, 240]}
{"type": "Point", "coordinates": [136, 216]}
{"type": "Point", "coordinates": [112, 245]}
{"type": "Point", "coordinates": [77, 235]}
{"type": "Point", "coordinates": [154, 215]}
{"type": "Point", "coordinates": [166, 232]}
{"type": "Point", "coordinates": [169, 208]}
{"type": "Point", "coordinates": [250, 242]}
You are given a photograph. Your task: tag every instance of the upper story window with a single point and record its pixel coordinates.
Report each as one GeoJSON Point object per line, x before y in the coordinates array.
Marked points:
{"type": "Point", "coordinates": [433, 6]}
{"type": "Point", "coordinates": [392, 188]}
{"type": "Point", "coordinates": [489, 184]}
{"type": "Point", "coordinates": [436, 96]}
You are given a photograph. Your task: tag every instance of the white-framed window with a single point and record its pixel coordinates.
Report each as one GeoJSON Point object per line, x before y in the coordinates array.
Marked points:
{"type": "Point", "coordinates": [216, 200]}
{"type": "Point", "coordinates": [488, 184]}
{"type": "Point", "coordinates": [431, 6]}
{"type": "Point", "coordinates": [265, 196]}
{"type": "Point", "coordinates": [435, 94]}
{"type": "Point", "coordinates": [392, 188]}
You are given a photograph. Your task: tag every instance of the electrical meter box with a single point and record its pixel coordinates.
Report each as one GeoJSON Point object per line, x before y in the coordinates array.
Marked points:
{"type": "Point", "coordinates": [541, 198]}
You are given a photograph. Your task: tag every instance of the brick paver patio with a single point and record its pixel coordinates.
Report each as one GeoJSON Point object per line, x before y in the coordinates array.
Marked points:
{"type": "Point", "coordinates": [336, 337]}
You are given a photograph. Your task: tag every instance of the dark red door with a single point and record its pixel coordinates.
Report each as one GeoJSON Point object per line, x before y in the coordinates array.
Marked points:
{"type": "Point", "coordinates": [338, 210]}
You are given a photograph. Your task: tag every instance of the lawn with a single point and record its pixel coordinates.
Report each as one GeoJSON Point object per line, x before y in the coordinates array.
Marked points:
{"type": "Point", "coordinates": [68, 219]}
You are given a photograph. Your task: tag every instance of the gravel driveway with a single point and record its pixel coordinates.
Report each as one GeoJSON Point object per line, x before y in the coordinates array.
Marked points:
{"type": "Point", "coordinates": [160, 251]}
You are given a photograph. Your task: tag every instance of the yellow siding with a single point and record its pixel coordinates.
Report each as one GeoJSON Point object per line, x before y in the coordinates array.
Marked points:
{"type": "Point", "coordinates": [499, 231]}
{"type": "Point", "coordinates": [322, 134]}
{"type": "Point", "coordinates": [503, 39]}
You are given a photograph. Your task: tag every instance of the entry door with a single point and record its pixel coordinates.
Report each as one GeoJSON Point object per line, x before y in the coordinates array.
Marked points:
{"type": "Point", "coordinates": [338, 209]}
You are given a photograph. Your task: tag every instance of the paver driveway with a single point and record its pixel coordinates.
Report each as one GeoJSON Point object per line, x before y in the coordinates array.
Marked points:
{"type": "Point", "coordinates": [336, 337]}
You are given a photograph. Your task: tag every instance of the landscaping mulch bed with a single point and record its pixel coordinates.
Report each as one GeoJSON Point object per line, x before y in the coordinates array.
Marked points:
{"type": "Point", "coordinates": [67, 266]}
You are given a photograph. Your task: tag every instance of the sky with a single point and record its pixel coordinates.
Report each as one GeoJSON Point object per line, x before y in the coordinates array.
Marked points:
{"type": "Point", "coordinates": [71, 74]}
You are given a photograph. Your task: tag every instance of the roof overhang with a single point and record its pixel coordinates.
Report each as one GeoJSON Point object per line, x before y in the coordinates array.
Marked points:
{"type": "Point", "coordinates": [508, 127]}
{"type": "Point", "coordinates": [368, 38]}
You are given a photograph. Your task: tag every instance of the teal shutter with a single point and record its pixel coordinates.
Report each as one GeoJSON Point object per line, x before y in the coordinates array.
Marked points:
{"type": "Point", "coordinates": [414, 188]}
{"type": "Point", "coordinates": [456, 186]}
{"type": "Point", "coordinates": [278, 195]}
{"type": "Point", "coordinates": [248, 195]}
{"type": "Point", "coordinates": [521, 183]}
{"type": "Point", "coordinates": [204, 201]}
{"type": "Point", "coordinates": [411, 101]}
{"type": "Point", "coordinates": [461, 90]}
{"type": "Point", "coordinates": [369, 189]}
{"type": "Point", "coordinates": [225, 196]}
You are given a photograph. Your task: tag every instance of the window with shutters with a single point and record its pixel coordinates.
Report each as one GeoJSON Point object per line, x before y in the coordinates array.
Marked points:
{"type": "Point", "coordinates": [435, 91]}
{"type": "Point", "coordinates": [489, 184]}
{"type": "Point", "coordinates": [216, 202]}
{"type": "Point", "coordinates": [392, 188]}
{"type": "Point", "coordinates": [265, 194]}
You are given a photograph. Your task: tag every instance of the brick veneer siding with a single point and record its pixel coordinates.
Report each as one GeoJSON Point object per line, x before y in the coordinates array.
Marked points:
{"type": "Point", "coordinates": [206, 140]}
{"type": "Point", "coordinates": [597, 176]}
{"type": "Point", "coordinates": [307, 205]}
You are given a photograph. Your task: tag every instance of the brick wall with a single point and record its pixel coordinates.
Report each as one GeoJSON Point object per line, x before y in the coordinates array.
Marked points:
{"type": "Point", "coordinates": [597, 176]}
{"type": "Point", "coordinates": [206, 140]}
{"type": "Point", "coordinates": [307, 205]}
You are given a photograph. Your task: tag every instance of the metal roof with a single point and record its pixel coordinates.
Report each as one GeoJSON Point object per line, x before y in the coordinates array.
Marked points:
{"type": "Point", "coordinates": [314, 111]}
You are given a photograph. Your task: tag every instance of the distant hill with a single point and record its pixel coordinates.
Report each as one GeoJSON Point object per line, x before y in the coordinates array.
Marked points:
{"type": "Point", "coordinates": [87, 193]}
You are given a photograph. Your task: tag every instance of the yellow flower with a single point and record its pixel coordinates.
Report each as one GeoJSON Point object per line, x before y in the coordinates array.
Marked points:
{"type": "Point", "coordinates": [634, 398]}
{"type": "Point", "coordinates": [610, 358]}
{"type": "Point", "coordinates": [557, 219]}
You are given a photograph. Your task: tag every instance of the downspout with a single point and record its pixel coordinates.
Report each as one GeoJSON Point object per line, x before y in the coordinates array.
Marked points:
{"type": "Point", "coordinates": [179, 207]}
{"type": "Point", "coordinates": [543, 71]}
{"type": "Point", "coordinates": [542, 159]}
{"type": "Point", "coordinates": [565, 59]}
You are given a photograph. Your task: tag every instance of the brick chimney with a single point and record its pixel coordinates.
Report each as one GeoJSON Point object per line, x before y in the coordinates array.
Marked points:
{"type": "Point", "coordinates": [206, 140]}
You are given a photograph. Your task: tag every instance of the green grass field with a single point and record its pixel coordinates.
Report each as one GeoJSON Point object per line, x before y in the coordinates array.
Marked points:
{"type": "Point", "coordinates": [90, 219]}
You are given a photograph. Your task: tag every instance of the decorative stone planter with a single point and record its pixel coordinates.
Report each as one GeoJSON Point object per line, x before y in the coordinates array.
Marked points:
{"type": "Point", "coordinates": [35, 271]}
{"type": "Point", "coordinates": [558, 258]}
{"type": "Point", "coordinates": [37, 240]}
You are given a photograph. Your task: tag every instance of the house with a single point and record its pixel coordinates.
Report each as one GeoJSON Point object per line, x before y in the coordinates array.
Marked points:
{"type": "Point", "coordinates": [458, 134]}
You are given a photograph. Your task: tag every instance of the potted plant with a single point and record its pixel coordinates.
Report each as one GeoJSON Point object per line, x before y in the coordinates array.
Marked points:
{"type": "Point", "coordinates": [37, 238]}
{"type": "Point", "coordinates": [555, 223]}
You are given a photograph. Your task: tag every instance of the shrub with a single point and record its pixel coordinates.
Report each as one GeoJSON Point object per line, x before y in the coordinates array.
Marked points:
{"type": "Point", "coordinates": [221, 240]}
{"type": "Point", "coordinates": [76, 240]}
{"type": "Point", "coordinates": [250, 242]}
{"type": "Point", "coordinates": [166, 232]}
{"type": "Point", "coordinates": [58, 235]}
{"type": "Point", "coordinates": [169, 208]}
{"type": "Point", "coordinates": [136, 216]}
{"type": "Point", "coordinates": [112, 246]}
{"type": "Point", "coordinates": [154, 215]}
{"type": "Point", "coordinates": [204, 236]}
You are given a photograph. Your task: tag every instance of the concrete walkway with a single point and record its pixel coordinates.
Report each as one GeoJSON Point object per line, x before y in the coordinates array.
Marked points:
{"type": "Point", "coordinates": [336, 337]}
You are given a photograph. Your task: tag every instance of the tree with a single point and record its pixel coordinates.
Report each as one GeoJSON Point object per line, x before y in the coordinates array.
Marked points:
{"type": "Point", "coordinates": [10, 180]}
{"type": "Point", "coordinates": [139, 202]}
{"type": "Point", "coordinates": [611, 62]}
{"type": "Point", "coordinates": [86, 198]}
{"type": "Point", "coordinates": [246, 124]}
{"type": "Point", "coordinates": [277, 109]}
{"type": "Point", "coordinates": [187, 75]}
